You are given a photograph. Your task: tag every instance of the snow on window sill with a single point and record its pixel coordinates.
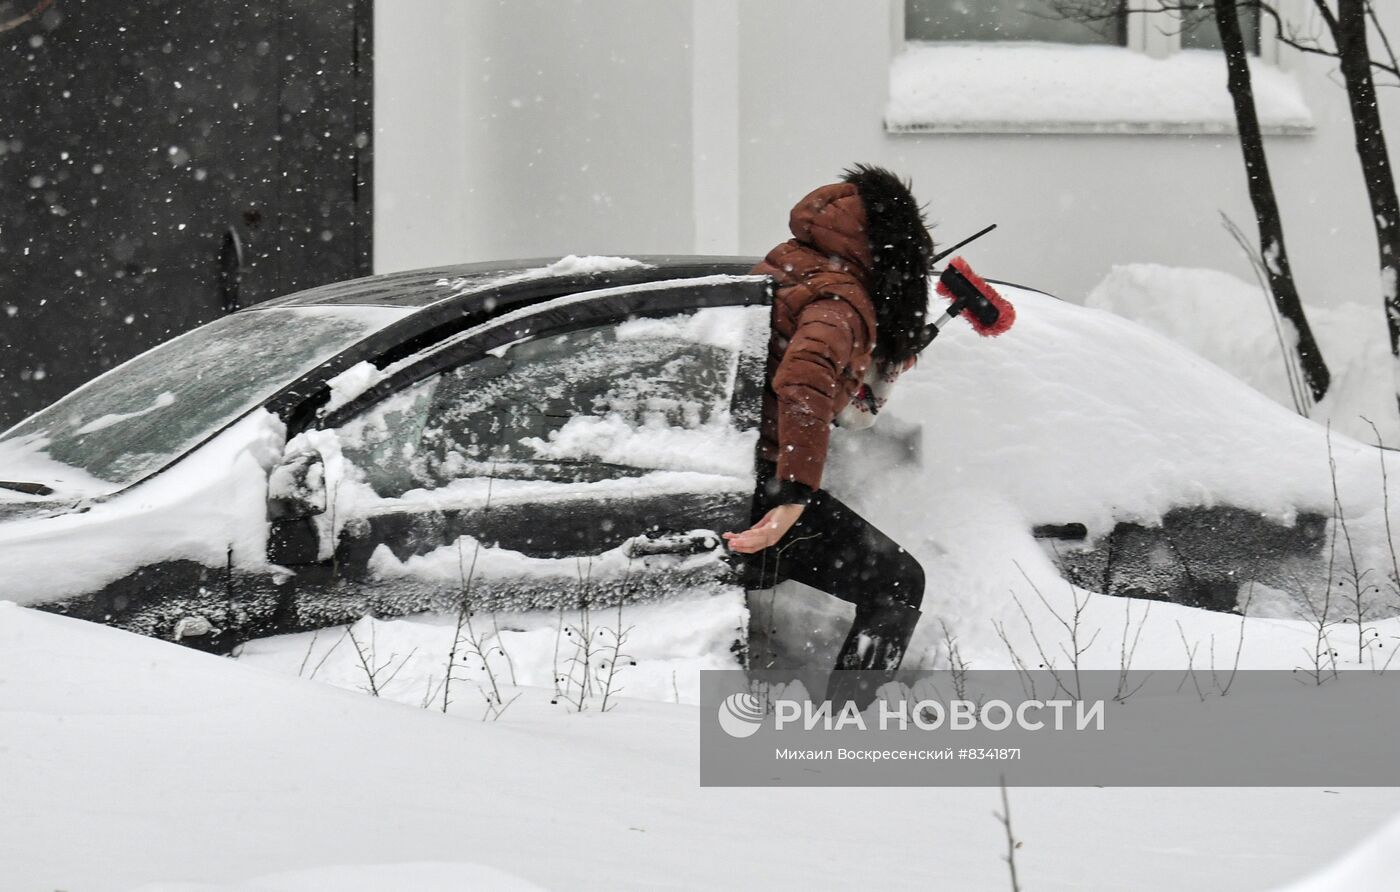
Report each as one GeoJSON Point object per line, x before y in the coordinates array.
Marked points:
{"type": "Point", "coordinates": [1021, 87]}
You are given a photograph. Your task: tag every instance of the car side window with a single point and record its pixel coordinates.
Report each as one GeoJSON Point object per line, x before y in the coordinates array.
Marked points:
{"type": "Point", "coordinates": [383, 442]}
{"type": "Point", "coordinates": [602, 402]}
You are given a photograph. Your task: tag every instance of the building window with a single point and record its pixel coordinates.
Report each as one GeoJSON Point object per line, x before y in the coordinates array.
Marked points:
{"type": "Point", "coordinates": [966, 20]}
{"type": "Point", "coordinates": [1020, 66]}
{"type": "Point", "coordinates": [1199, 32]}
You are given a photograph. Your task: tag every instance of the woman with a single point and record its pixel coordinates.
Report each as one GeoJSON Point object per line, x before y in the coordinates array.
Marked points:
{"type": "Point", "coordinates": [849, 311]}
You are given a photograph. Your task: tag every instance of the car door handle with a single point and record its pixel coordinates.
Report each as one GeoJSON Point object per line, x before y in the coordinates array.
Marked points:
{"type": "Point", "coordinates": [693, 542]}
{"type": "Point", "coordinates": [1074, 532]}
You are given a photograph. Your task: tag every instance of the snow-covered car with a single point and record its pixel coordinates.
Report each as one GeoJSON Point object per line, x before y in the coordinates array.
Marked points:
{"type": "Point", "coordinates": [530, 435]}
{"type": "Point", "coordinates": [519, 435]}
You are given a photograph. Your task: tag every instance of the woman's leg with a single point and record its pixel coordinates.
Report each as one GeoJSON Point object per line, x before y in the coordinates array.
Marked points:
{"type": "Point", "coordinates": [834, 549]}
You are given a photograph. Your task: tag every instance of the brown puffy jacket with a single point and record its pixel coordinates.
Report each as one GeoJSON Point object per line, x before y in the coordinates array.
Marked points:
{"type": "Point", "coordinates": [823, 333]}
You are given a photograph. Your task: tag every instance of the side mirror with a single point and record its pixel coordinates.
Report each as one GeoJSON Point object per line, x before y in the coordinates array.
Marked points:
{"type": "Point", "coordinates": [296, 488]}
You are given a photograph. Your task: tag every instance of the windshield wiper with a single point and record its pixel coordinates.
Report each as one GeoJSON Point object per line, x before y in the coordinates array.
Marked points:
{"type": "Point", "coordinates": [30, 489]}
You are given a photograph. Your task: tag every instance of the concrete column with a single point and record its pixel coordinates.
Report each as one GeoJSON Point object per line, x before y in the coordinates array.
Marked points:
{"type": "Point", "coordinates": [715, 125]}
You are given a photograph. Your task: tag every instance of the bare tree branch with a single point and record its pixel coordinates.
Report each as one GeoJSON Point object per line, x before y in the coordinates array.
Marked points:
{"type": "Point", "coordinates": [15, 22]}
{"type": "Point", "coordinates": [1327, 15]}
{"type": "Point", "coordinates": [1394, 67]}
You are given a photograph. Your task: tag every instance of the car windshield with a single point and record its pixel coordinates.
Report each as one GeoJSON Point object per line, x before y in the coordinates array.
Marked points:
{"type": "Point", "coordinates": [145, 413]}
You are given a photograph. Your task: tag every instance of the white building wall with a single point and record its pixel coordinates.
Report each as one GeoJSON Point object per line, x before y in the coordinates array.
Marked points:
{"type": "Point", "coordinates": [715, 94]}
{"type": "Point", "coordinates": [535, 128]}
{"type": "Point", "coordinates": [421, 48]}
{"type": "Point", "coordinates": [1069, 206]}
{"type": "Point", "coordinates": [531, 128]}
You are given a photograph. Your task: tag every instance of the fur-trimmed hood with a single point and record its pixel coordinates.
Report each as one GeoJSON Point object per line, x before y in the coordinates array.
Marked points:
{"type": "Point", "coordinates": [872, 222]}
{"type": "Point", "coordinates": [901, 254]}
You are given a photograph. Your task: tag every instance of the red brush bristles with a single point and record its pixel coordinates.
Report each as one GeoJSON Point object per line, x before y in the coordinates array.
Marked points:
{"type": "Point", "coordinates": [1004, 307]}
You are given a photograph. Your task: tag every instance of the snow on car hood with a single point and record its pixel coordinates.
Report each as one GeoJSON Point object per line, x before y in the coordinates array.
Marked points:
{"type": "Point", "coordinates": [1079, 414]}
{"type": "Point", "coordinates": [208, 508]}
{"type": "Point", "coordinates": [23, 460]}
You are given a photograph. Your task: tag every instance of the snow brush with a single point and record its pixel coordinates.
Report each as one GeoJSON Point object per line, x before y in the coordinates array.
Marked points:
{"type": "Point", "coordinates": [987, 312]}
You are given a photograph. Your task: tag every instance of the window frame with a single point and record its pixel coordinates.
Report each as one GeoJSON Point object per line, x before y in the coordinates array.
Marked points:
{"type": "Point", "coordinates": [902, 11]}
{"type": "Point", "coordinates": [1156, 34]}
{"type": "Point", "coordinates": [1153, 34]}
{"type": "Point", "coordinates": [558, 316]}
{"type": "Point", "coordinates": [563, 315]}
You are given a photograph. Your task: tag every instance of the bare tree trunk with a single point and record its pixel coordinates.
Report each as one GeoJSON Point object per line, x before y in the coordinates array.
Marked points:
{"type": "Point", "coordinates": [1261, 194]}
{"type": "Point", "coordinates": [1348, 27]}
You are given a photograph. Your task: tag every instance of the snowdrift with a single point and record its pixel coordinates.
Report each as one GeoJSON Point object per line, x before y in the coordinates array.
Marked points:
{"type": "Point", "coordinates": [1077, 414]}
{"type": "Point", "coordinates": [1231, 323]}
{"type": "Point", "coordinates": [127, 761]}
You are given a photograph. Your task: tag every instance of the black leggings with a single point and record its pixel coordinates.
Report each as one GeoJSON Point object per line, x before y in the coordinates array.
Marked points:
{"type": "Point", "coordinates": [834, 549]}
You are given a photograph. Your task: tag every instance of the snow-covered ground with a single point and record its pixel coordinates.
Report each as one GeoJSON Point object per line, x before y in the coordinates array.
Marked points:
{"type": "Point", "coordinates": [128, 761]}
{"type": "Point", "coordinates": [1371, 865]}
{"type": "Point", "coordinates": [131, 763]}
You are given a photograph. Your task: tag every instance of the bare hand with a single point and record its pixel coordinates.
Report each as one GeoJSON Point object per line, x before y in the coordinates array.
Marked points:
{"type": "Point", "coordinates": [767, 531]}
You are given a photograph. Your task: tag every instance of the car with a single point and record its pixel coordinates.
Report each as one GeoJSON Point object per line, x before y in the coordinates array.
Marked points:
{"type": "Point", "coordinates": [519, 434]}
{"type": "Point", "coordinates": [533, 434]}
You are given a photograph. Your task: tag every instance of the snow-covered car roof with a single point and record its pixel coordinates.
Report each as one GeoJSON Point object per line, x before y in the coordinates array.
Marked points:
{"type": "Point", "coordinates": [425, 287]}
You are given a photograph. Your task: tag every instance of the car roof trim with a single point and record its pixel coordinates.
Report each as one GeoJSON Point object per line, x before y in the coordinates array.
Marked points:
{"type": "Point", "coordinates": [669, 296]}
{"type": "Point", "coordinates": [431, 286]}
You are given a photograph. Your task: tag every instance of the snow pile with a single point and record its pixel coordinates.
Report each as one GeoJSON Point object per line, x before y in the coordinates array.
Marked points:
{"type": "Point", "coordinates": [450, 564]}
{"type": "Point", "coordinates": [250, 780]}
{"type": "Point", "coordinates": [990, 86]}
{"type": "Point", "coordinates": [1077, 415]}
{"type": "Point", "coordinates": [350, 384]}
{"type": "Point", "coordinates": [664, 647]}
{"type": "Point", "coordinates": [1231, 323]}
{"type": "Point", "coordinates": [574, 265]}
{"type": "Point", "coordinates": [24, 459]}
{"type": "Point", "coordinates": [210, 508]}
{"type": "Point", "coordinates": [722, 327]}
{"type": "Point", "coordinates": [712, 448]}
{"type": "Point", "coordinates": [421, 877]}
{"type": "Point", "coordinates": [1373, 866]}
{"type": "Point", "coordinates": [332, 480]}
{"type": "Point", "coordinates": [570, 265]}
{"type": "Point", "coordinates": [474, 491]}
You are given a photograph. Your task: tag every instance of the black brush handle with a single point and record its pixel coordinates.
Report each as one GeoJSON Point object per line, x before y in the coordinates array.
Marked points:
{"type": "Point", "coordinates": [966, 296]}
{"type": "Point", "coordinates": [967, 241]}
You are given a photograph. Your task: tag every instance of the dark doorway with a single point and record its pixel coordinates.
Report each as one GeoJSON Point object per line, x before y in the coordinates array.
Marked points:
{"type": "Point", "coordinates": [162, 163]}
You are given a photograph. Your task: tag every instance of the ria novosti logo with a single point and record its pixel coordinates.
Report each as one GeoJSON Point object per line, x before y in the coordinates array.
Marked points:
{"type": "Point", "coordinates": [740, 715]}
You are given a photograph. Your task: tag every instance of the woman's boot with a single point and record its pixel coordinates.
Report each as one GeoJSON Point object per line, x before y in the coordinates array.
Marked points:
{"type": "Point", "coordinates": [875, 646]}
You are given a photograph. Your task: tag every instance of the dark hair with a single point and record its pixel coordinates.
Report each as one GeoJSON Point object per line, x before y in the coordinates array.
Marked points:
{"type": "Point", "coordinates": [902, 253]}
